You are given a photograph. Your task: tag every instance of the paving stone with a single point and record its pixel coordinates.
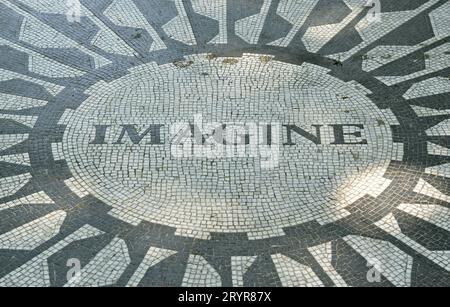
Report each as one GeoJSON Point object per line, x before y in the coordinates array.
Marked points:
{"type": "Point", "coordinates": [234, 143]}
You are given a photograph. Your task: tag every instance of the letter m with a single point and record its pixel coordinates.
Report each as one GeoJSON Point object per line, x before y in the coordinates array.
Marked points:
{"type": "Point", "coordinates": [136, 138]}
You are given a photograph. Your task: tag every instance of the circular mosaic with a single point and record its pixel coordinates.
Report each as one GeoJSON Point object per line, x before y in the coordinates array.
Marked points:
{"type": "Point", "coordinates": [224, 143]}
{"type": "Point", "coordinates": [326, 138]}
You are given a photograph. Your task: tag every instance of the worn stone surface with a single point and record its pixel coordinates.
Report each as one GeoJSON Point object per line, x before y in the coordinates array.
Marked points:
{"type": "Point", "coordinates": [352, 190]}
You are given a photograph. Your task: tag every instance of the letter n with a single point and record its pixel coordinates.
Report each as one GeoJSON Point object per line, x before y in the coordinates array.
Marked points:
{"type": "Point", "coordinates": [316, 139]}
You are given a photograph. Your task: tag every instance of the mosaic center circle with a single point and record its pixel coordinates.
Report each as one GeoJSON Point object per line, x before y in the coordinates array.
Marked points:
{"type": "Point", "coordinates": [334, 145]}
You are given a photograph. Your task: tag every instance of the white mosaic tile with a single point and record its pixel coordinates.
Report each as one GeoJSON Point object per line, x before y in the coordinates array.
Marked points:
{"type": "Point", "coordinates": [429, 87]}
{"type": "Point", "coordinates": [434, 149]}
{"type": "Point", "coordinates": [399, 152]}
{"type": "Point", "coordinates": [10, 185]}
{"type": "Point", "coordinates": [41, 35]}
{"type": "Point", "coordinates": [295, 12]}
{"type": "Point", "coordinates": [33, 234]}
{"type": "Point", "coordinates": [440, 20]}
{"type": "Point", "coordinates": [57, 151]}
{"type": "Point", "coordinates": [179, 28]}
{"type": "Point", "coordinates": [22, 159]}
{"type": "Point", "coordinates": [387, 259]}
{"type": "Point", "coordinates": [6, 75]}
{"type": "Point", "coordinates": [36, 198]}
{"type": "Point", "coordinates": [265, 233]}
{"type": "Point", "coordinates": [317, 37]}
{"type": "Point", "coordinates": [105, 39]}
{"type": "Point", "coordinates": [46, 6]}
{"type": "Point", "coordinates": [435, 60]}
{"type": "Point", "coordinates": [106, 267]}
{"type": "Point", "coordinates": [10, 140]}
{"type": "Point", "coordinates": [32, 274]}
{"type": "Point", "coordinates": [250, 28]}
{"type": "Point", "coordinates": [424, 112]}
{"type": "Point", "coordinates": [323, 255]}
{"type": "Point", "coordinates": [42, 65]}
{"type": "Point", "coordinates": [382, 55]}
{"type": "Point", "coordinates": [183, 232]}
{"type": "Point", "coordinates": [199, 273]}
{"type": "Point", "coordinates": [239, 266]}
{"type": "Point", "coordinates": [390, 225]}
{"type": "Point", "coordinates": [311, 182]}
{"type": "Point", "coordinates": [360, 87]}
{"type": "Point", "coordinates": [13, 102]}
{"type": "Point", "coordinates": [154, 256]}
{"type": "Point", "coordinates": [197, 208]}
{"type": "Point", "coordinates": [434, 214]}
{"type": "Point", "coordinates": [354, 189]}
{"type": "Point", "coordinates": [372, 31]}
{"type": "Point", "coordinates": [76, 188]}
{"type": "Point", "coordinates": [216, 10]}
{"type": "Point", "coordinates": [126, 13]}
{"type": "Point", "coordinates": [442, 170]}
{"type": "Point", "coordinates": [29, 121]}
{"type": "Point", "coordinates": [63, 120]}
{"type": "Point", "coordinates": [427, 189]}
{"type": "Point", "coordinates": [441, 129]}
{"type": "Point", "coordinates": [35, 272]}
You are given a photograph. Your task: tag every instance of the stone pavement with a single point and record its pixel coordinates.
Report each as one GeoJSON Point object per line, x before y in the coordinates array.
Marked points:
{"type": "Point", "coordinates": [225, 143]}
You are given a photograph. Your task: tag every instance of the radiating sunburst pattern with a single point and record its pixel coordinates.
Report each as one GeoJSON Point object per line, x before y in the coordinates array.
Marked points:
{"type": "Point", "coordinates": [356, 216]}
